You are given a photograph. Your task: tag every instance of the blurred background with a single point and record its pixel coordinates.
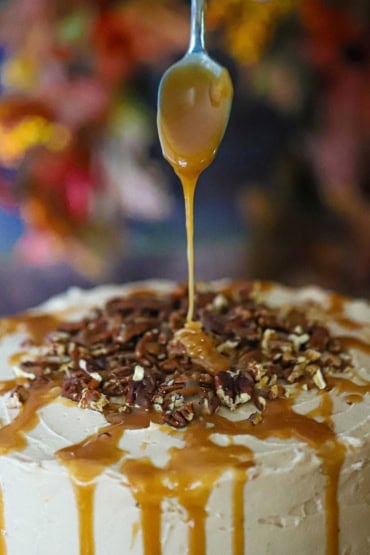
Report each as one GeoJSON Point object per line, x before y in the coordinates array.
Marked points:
{"type": "Point", "coordinates": [85, 196]}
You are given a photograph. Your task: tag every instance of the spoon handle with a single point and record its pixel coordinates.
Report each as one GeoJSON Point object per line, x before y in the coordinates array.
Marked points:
{"type": "Point", "coordinates": [197, 27]}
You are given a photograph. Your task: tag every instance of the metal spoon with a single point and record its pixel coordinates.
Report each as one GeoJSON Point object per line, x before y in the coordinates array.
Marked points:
{"type": "Point", "coordinates": [194, 102]}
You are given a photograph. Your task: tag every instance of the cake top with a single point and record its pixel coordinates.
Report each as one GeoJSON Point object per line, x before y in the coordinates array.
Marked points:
{"type": "Point", "coordinates": [132, 356]}
{"type": "Point", "coordinates": [268, 373]}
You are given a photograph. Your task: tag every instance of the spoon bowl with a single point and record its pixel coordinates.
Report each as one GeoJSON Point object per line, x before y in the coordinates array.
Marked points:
{"type": "Point", "coordinates": [194, 102]}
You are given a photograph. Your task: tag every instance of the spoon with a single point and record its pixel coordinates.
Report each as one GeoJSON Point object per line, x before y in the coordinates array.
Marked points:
{"type": "Point", "coordinates": [194, 102]}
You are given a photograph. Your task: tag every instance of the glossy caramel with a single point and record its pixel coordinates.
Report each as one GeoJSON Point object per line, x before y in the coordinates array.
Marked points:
{"type": "Point", "coordinates": [200, 348]}
{"type": "Point", "coordinates": [85, 461]}
{"type": "Point", "coordinates": [12, 436]}
{"type": "Point", "coordinates": [36, 326]}
{"type": "Point", "coordinates": [3, 549]}
{"type": "Point", "coordinates": [193, 110]}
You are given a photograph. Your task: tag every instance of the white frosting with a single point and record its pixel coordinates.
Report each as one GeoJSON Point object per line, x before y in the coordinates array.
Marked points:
{"type": "Point", "coordinates": [284, 494]}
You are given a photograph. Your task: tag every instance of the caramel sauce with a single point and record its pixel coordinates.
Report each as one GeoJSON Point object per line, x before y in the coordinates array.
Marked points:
{"type": "Point", "coordinates": [8, 385]}
{"type": "Point", "coordinates": [36, 326]}
{"type": "Point", "coordinates": [324, 410]}
{"type": "Point", "coordinates": [355, 343]}
{"type": "Point", "coordinates": [282, 422]}
{"type": "Point", "coordinates": [333, 457]}
{"type": "Point", "coordinates": [344, 385]}
{"type": "Point", "coordinates": [193, 111]}
{"type": "Point", "coordinates": [135, 531]}
{"type": "Point", "coordinates": [3, 550]}
{"type": "Point", "coordinates": [12, 435]}
{"type": "Point", "coordinates": [16, 358]}
{"type": "Point", "coordinates": [240, 480]}
{"type": "Point", "coordinates": [200, 348]}
{"type": "Point", "coordinates": [85, 462]}
{"type": "Point", "coordinates": [336, 309]}
{"type": "Point", "coordinates": [353, 398]}
{"type": "Point", "coordinates": [189, 476]}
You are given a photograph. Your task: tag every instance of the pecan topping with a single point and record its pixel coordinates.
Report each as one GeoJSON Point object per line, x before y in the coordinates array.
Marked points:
{"type": "Point", "coordinates": [129, 355]}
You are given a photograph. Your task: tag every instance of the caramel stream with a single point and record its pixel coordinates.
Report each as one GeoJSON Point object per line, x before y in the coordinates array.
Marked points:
{"type": "Point", "coordinates": [193, 111]}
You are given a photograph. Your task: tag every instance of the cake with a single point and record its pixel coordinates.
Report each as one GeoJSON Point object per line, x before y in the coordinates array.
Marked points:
{"type": "Point", "coordinates": [115, 441]}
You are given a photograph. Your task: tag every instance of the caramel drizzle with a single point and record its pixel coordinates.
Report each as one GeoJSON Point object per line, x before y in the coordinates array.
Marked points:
{"type": "Point", "coordinates": [189, 186]}
{"type": "Point", "coordinates": [355, 392]}
{"type": "Point", "coordinates": [85, 496]}
{"type": "Point", "coordinates": [240, 480]}
{"type": "Point", "coordinates": [336, 310]}
{"type": "Point", "coordinates": [282, 422]}
{"type": "Point", "coordinates": [85, 462]}
{"type": "Point", "coordinates": [35, 325]}
{"type": "Point", "coordinates": [8, 385]}
{"type": "Point", "coordinates": [3, 550]}
{"type": "Point", "coordinates": [350, 342]}
{"type": "Point", "coordinates": [150, 485]}
{"type": "Point", "coordinates": [12, 436]}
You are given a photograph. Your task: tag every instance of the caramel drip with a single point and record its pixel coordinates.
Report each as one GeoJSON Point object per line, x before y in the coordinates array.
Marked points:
{"type": "Point", "coordinates": [135, 531]}
{"type": "Point", "coordinates": [189, 476]}
{"type": "Point", "coordinates": [188, 186]}
{"type": "Point", "coordinates": [324, 409]}
{"type": "Point", "coordinates": [200, 348]}
{"type": "Point", "coordinates": [353, 398]}
{"type": "Point", "coordinates": [282, 422]}
{"type": "Point", "coordinates": [355, 343]}
{"type": "Point", "coordinates": [240, 480]}
{"type": "Point", "coordinates": [8, 385]}
{"type": "Point", "coordinates": [85, 504]}
{"type": "Point", "coordinates": [336, 309]}
{"type": "Point", "coordinates": [12, 436]}
{"type": "Point", "coordinates": [3, 550]}
{"type": "Point", "coordinates": [193, 110]}
{"type": "Point", "coordinates": [36, 326]}
{"type": "Point", "coordinates": [331, 468]}
{"type": "Point", "coordinates": [85, 462]}
{"type": "Point", "coordinates": [355, 392]}
{"type": "Point", "coordinates": [16, 358]}
{"type": "Point", "coordinates": [344, 385]}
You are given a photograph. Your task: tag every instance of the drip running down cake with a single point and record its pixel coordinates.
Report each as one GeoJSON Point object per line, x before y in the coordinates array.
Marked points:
{"type": "Point", "coordinates": [123, 434]}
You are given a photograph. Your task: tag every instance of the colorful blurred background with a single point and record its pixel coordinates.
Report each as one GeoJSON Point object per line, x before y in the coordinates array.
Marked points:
{"type": "Point", "coordinates": [85, 196]}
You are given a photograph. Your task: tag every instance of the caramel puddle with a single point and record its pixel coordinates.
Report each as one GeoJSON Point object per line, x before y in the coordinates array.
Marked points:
{"type": "Point", "coordinates": [200, 348]}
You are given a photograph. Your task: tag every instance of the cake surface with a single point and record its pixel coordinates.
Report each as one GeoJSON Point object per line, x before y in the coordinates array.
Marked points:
{"type": "Point", "coordinates": [163, 454]}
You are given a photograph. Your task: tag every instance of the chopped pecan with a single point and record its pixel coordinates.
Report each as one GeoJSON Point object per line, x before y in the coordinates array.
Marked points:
{"type": "Point", "coordinates": [125, 355]}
